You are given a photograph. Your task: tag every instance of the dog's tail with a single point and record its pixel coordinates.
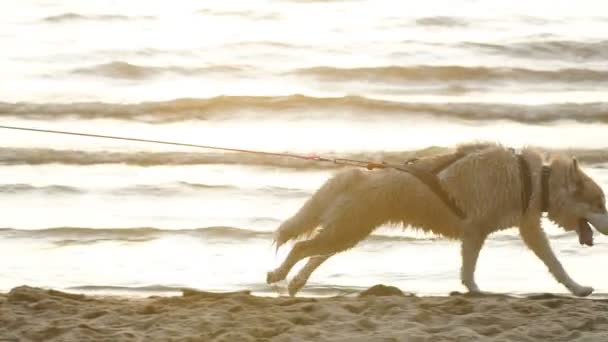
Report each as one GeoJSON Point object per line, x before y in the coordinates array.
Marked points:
{"type": "Point", "coordinates": [309, 217]}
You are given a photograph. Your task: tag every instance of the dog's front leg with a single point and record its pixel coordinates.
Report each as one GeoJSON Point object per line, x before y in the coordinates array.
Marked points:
{"type": "Point", "coordinates": [472, 241]}
{"type": "Point", "coordinates": [536, 239]}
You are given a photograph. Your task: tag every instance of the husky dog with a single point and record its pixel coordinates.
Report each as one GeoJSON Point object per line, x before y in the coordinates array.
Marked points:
{"type": "Point", "coordinates": [466, 195]}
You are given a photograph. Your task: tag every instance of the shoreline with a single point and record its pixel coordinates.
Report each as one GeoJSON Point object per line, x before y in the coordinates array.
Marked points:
{"type": "Point", "coordinates": [380, 313]}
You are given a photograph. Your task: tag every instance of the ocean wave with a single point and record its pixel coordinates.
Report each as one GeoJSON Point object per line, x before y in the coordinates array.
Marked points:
{"type": "Point", "coordinates": [64, 17]}
{"type": "Point", "coordinates": [241, 14]}
{"type": "Point", "coordinates": [111, 288]}
{"type": "Point", "coordinates": [181, 188]}
{"type": "Point", "coordinates": [28, 189]}
{"type": "Point", "coordinates": [169, 189]}
{"type": "Point", "coordinates": [300, 106]}
{"type": "Point", "coordinates": [80, 235]}
{"type": "Point", "coordinates": [450, 73]}
{"type": "Point", "coordinates": [124, 70]}
{"type": "Point", "coordinates": [38, 156]}
{"type": "Point", "coordinates": [286, 192]}
{"type": "Point", "coordinates": [548, 49]}
{"type": "Point", "coordinates": [318, 290]}
{"type": "Point", "coordinates": [69, 236]}
{"type": "Point", "coordinates": [442, 21]}
{"type": "Point", "coordinates": [321, 1]}
{"type": "Point", "coordinates": [64, 236]}
{"type": "Point", "coordinates": [266, 44]}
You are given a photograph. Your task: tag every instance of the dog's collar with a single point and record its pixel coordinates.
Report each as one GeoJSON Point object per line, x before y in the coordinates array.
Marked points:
{"type": "Point", "coordinates": [544, 183]}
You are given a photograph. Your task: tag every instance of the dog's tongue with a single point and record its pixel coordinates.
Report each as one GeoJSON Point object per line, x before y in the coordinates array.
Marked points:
{"type": "Point", "coordinates": [585, 234]}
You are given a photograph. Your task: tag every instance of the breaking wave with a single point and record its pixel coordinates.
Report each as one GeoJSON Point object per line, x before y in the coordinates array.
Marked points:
{"type": "Point", "coordinates": [261, 44]}
{"type": "Point", "coordinates": [426, 73]}
{"type": "Point", "coordinates": [169, 189]}
{"type": "Point", "coordinates": [136, 289]}
{"type": "Point", "coordinates": [300, 106]}
{"type": "Point", "coordinates": [442, 21]}
{"type": "Point", "coordinates": [124, 70]}
{"type": "Point", "coordinates": [28, 189]}
{"type": "Point", "coordinates": [177, 188]}
{"type": "Point", "coordinates": [241, 14]}
{"type": "Point", "coordinates": [548, 49]}
{"type": "Point", "coordinates": [39, 156]}
{"type": "Point", "coordinates": [130, 234]}
{"type": "Point", "coordinates": [80, 17]}
{"type": "Point", "coordinates": [64, 236]}
{"type": "Point", "coordinates": [311, 289]}
{"type": "Point", "coordinates": [320, 1]}
{"type": "Point", "coordinates": [195, 188]}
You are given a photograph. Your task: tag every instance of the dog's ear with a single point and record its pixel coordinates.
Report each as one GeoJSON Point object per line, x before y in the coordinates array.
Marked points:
{"type": "Point", "coordinates": [574, 174]}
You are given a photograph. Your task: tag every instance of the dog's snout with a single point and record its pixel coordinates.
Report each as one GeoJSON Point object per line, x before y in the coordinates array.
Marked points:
{"type": "Point", "coordinates": [599, 221]}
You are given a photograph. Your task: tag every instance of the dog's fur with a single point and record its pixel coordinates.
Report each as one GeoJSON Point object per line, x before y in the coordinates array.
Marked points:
{"type": "Point", "coordinates": [486, 184]}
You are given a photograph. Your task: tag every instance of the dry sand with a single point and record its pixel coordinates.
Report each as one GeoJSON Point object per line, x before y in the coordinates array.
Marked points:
{"type": "Point", "coordinates": [377, 314]}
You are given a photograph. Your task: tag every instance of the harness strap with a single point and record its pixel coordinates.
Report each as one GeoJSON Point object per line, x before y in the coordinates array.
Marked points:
{"type": "Point", "coordinates": [432, 182]}
{"type": "Point", "coordinates": [449, 161]}
{"type": "Point", "coordinates": [430, 179]}
{"type": "Point", "coordinates": [526, 181]}
{"type": "Point", "coordinates": [544, 181]}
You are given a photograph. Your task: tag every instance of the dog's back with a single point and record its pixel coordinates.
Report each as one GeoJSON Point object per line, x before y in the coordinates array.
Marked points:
{"type": "Point", "coordinates": [484, 181]}
{"type": "Point", "coordinates": [487, 184]}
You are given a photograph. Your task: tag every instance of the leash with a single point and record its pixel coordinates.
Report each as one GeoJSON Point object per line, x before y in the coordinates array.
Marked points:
{"type": "Point", "coordinates": [428, 178]}
{"type": "Point", "coordinates": [340, 161]}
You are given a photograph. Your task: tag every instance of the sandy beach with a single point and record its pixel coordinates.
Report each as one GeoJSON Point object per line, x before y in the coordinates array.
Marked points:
{"type": "Point", "coordinates": [381, 313]}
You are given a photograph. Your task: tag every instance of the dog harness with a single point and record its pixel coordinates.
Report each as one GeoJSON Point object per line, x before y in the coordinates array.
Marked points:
{"type": "Point", "coordinates": [544, 181]}
{"type": "Point", "coordinates": [430, 179]}
{"type": "Point", "coordinates": [526, 181]}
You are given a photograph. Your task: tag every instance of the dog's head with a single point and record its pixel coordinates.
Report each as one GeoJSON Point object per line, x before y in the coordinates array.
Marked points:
{"type": "Point", "coordinates": [576, 201]}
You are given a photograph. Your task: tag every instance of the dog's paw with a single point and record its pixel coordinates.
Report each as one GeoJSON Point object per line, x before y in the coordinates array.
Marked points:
{"type": "Point", "coordinates": [582, 291]}
{"type": "Point", "coordinates": [477, 293]}
{"type": "Point", "coordinates": [273, 277]}
{"type": "Point", "coordinates": [472, 287]}
{"type": "Point", "coordinates": [270, 278]}
{"type": "Point", "coordinates": [295, 285]}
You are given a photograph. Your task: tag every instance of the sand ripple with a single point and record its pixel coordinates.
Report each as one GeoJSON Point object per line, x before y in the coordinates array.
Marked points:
{"type": "Point", "coordinates": [380, 313]}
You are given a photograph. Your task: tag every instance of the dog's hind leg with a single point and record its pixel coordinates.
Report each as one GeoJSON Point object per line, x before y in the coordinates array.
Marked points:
{"type": "Point", "coordinates": [309, 216]}
{"type": "Point", "coordinates": [536, 239]}
{"type": "Point", "coordinates": [302, 277]}
{"type": "Point", "coordinates": [330, 240]}
{"type": "Point", "coordinates": [305, 221]}
{"type": "Point", "coordinates": [472, 241]}
{"type": "Point", "coordinates": [299, 251]}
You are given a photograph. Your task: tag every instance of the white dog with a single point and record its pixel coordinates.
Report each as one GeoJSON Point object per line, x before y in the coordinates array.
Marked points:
{"type": "Point", "coordinates": [466, 195]}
